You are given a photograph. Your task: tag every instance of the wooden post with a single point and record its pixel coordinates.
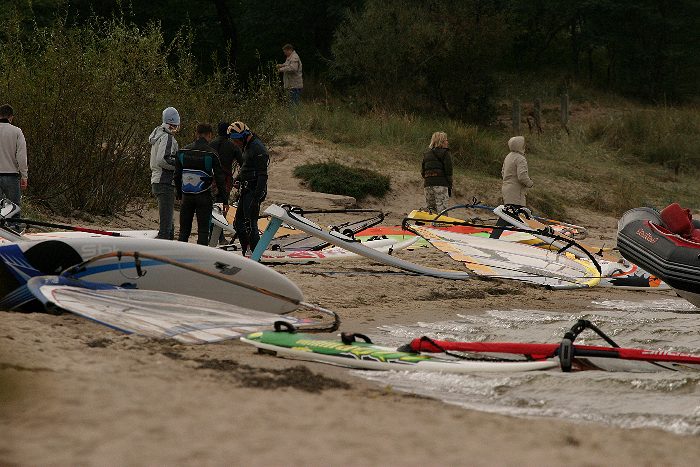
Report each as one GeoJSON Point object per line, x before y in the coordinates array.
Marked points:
{"type": "Point", "coordinates": [538, 115]}
{"type": "Point", "coordinates": [565, 112]}
{"type": "Point", "coordinates": [534, 117]}
{"type": "Point", "coordinates": [516, 116]}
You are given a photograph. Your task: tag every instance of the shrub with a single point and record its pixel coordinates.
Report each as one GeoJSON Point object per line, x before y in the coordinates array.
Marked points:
{"type": "Point", "coordinates": [88, 96]}
{"type": "Point", "coordinates": [338, 179]}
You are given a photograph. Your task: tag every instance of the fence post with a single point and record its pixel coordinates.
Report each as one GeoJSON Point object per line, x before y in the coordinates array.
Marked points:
{"type": "Point", "coordinates": [515, 116]}
{"type": "Point", "coordinates": [538, 115]}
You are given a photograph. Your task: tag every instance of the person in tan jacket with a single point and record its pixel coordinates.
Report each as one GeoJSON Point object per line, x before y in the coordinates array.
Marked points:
{"type": "Point", "coordinates": [516, 179]}
{"type": "Point", "coordinates": [291, 73]}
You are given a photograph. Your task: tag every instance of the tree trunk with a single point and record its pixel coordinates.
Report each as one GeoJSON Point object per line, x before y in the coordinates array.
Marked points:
{"type": "Point", "coordinates": [228, 28]}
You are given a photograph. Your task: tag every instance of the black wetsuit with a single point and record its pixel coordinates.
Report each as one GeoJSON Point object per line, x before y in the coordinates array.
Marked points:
{"type": "Point", "coordinates": [199, 164]}
{"type": "Point", "coordinates": [253, 180]}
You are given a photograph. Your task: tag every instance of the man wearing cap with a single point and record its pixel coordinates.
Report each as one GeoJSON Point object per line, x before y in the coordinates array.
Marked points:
{"type": "Point", "coordinates": [252, 182]}
{"type": "Point", "coordinates": [13, 157]}
{"type": "Point", "coordinates": [163, 150]}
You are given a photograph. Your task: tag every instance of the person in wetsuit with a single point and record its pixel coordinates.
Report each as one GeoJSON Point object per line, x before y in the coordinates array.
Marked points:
{"type": "Point", "coordinates": [252, 183]}
{"type": "Point", "coordinates": [197, 167]}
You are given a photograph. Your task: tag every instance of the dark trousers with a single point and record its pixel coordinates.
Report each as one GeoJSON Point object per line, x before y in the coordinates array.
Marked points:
{"type": "Point", "coordinates": [201, 205]}
{"type": "Point", "coordinates": [246, 220]}
{"type": "Point", "coordinates": [165, 194]}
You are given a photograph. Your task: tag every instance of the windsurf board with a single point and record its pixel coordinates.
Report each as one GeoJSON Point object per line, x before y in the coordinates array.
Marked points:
{"type": "Point", "coordinates": [362, 355]}
{"type": "Point", "coordinates": [24, 260]}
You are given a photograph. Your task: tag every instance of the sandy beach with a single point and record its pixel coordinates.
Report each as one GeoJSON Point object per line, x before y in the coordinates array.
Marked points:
{"type": "Point", "coordinates": [74, 392]}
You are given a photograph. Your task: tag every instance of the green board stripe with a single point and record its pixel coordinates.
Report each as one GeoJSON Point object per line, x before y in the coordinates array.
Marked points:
{"type": "Point", "coordinates": [356, 350]}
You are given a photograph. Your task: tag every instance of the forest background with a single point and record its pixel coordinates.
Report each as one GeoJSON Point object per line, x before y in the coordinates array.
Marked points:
{"type": "Point", "coordinates": [88, 81]}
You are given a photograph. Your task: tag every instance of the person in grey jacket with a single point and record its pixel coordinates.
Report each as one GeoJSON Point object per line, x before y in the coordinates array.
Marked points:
{"type": "Point", "coordinates": [291, 73]}
{"type": "Point", "coordinates": [163, 149]}
{"type": "Point", "coordinates": [516, 180]}
{"type": "Point", "coordinates": [13, 157]}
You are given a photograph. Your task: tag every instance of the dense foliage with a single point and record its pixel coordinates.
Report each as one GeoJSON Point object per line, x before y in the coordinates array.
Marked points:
{"type": "Point", "coordinates": [88, 96]}
{"type": "Point", "coordinates": [339, 179]}
{"type": "Point", "coordinates": [445, 53]}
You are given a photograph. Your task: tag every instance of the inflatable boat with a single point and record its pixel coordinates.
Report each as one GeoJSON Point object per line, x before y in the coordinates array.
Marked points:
{"type": "Point", "coordinates": [665, 243]}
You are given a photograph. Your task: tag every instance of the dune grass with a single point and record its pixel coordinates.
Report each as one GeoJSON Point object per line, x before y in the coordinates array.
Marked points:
{"type": "Point", "coordinates": [611, 161]}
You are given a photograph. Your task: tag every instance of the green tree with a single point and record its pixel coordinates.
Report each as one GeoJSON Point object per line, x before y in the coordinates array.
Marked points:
{"type": "Point", "coordinates": [437, 55]}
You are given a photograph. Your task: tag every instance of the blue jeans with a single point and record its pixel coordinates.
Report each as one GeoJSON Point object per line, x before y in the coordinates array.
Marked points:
{"type": "Point", "coordinates": [295, 95]}
{"type": "Point", "coordinates": [9, 188]}
{"type": "Point", "coordinates": [165, 194]}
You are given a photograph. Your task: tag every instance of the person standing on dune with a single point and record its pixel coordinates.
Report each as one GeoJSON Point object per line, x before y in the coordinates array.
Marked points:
{"type": "Point", "coordinates": [516, 179]}
{"type": "Point", "coordinates": [437, 173]}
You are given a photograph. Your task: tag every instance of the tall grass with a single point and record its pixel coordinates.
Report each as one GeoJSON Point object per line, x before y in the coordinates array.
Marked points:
{"type": "Point", "coordinates": [87, 97]}
{"type": "Point", "coordinates": [669, 137]}
{"type": "Point", "coordinates": [405, 136]}
{"type": "Point", "coordinates": [608, 163]}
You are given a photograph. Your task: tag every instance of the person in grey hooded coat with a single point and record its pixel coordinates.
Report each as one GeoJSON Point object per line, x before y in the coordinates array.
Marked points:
{"type": "Point", "coordinates": [516, 180]}
{"type": "Point", "coordinates": [163, 149]}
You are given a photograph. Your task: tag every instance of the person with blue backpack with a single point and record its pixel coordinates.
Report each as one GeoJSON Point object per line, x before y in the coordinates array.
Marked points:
{"type": "Point", "coordinates": [197, 168]}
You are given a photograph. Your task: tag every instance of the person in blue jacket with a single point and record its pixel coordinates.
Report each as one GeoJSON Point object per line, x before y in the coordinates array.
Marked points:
{"type": "Point", "coordinates": [197, 167]}
{"type": "Point", "coordinates": [252, 183]}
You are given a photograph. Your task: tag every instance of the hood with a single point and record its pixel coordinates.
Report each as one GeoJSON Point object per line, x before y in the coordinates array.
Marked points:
{"type": "Point", "coordinates": [517, 144]}
{"type": "Point", "coordinates": [157, 133]}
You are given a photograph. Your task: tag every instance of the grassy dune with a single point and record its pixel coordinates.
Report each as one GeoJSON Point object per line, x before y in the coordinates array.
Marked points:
{"type": "Point", "coordinates": [611, 161]}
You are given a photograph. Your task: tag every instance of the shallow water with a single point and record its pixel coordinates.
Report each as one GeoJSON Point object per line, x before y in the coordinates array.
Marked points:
{"type": "Point", "coordinates": [669, 400]}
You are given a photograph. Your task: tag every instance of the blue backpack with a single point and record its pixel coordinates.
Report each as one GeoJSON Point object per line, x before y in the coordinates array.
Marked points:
{"type": "Point", "coordinates": [196, 181]}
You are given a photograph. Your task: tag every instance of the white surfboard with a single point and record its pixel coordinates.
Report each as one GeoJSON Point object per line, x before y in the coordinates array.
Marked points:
{"type": "Point", "coordinates": [349, 244]}
{"type": "Point", "coordinates": [24, 260]}
{"type": "Point", "coordinates": [187, 319]}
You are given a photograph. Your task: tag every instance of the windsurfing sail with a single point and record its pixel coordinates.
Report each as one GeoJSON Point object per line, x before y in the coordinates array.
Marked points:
{"type": "Point", "coordinates": [566, 350]}
{"type": "Point", "coordinates": [522, 219]}
{"type": "Point", "coordinates": [282, 215]}
{"type": "Point", "coordinates": [187, 319]}
{"type": "Point", "coordinates": [507, 260]}
{"type": "Point", "coordinates": [310, 242]}
{"type": "Point", "coordinates": [576, 232]}
{"type": "Point", "coordinates": [333, 253]}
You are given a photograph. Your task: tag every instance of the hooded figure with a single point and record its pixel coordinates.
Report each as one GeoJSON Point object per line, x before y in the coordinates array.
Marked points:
{"type": "Point", "coordinates": [516, 180]}
{"type": "Point", "coordinates": [163, 150]}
